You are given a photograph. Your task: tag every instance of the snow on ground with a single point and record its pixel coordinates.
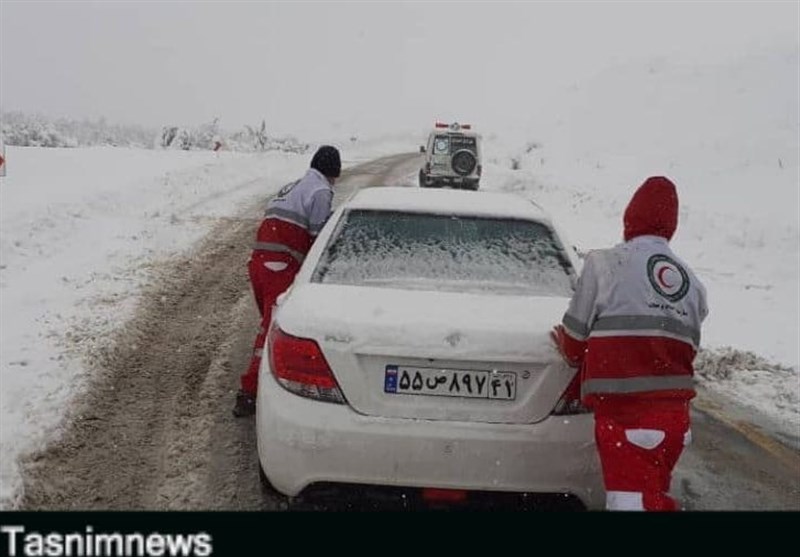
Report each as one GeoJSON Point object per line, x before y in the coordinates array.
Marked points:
{"type": "Point", "coordinates": [79, 228]}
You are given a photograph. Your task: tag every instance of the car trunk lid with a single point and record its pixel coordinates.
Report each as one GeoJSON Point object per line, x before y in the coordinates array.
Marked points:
{"type": "Point", "coordinates": [434, 355]}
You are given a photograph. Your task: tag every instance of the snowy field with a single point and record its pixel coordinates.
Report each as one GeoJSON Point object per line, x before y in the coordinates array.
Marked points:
{"type": "Point", "coordinates": [80, 228]}
{"type": "Point", "coordinates": [729, 137]}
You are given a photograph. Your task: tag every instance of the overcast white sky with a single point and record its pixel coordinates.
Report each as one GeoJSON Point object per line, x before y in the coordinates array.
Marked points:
{"type": "Point", "coordinates": [312, 66]}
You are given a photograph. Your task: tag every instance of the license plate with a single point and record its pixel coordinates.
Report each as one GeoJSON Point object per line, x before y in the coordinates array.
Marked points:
{"type": "Point", "coordinates": [404, 380]}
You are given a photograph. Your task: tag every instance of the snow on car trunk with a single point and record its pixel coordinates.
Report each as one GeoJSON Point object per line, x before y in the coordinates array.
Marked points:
{"type": "Point", "coordinates": [466, 356]}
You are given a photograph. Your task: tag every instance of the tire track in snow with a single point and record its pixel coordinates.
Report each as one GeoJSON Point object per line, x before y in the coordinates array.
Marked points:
{"type": "Point", "coordinates": [154, 430]}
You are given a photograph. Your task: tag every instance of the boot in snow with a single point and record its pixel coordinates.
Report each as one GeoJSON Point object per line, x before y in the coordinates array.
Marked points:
{"type": "Point", "coordinates": [245, 404]}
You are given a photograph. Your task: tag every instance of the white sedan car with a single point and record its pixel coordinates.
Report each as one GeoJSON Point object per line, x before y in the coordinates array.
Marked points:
{"type": "Point", "coordinates": [412, 356]}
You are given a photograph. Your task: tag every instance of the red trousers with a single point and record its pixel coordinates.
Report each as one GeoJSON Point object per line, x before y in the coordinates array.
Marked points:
{"type": "Point", "coordinates": [639, 442]}
{"type": "Point", "coordinates": [271, 274]}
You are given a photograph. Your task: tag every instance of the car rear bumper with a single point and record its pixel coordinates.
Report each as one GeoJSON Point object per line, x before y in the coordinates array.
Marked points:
{"type": "Point", "coordinates": [433, 179]}
{"type": "Point", "coordinates": [302, 442]}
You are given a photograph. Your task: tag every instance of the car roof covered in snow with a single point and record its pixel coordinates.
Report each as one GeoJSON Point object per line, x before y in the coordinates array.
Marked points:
{"type": "Point", "coordinates": [448, 202]}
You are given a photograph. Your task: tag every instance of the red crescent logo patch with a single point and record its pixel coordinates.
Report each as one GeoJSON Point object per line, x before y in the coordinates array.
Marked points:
{"type": "Point", "coordinates": [661, 278]}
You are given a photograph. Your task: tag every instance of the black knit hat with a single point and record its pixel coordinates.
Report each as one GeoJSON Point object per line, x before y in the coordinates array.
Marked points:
{"type": "Point", "coordinates": [327, 161]}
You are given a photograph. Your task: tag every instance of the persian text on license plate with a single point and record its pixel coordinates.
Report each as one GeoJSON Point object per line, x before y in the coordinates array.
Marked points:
{"type": "Point", "coordinates": [499, 385]}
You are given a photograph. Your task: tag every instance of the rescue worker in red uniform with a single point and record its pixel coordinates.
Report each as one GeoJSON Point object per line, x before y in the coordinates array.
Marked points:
{"type": "Point", "coordinates": [633, 327]}
{"type": "Point", "coordinates": [292, 220]}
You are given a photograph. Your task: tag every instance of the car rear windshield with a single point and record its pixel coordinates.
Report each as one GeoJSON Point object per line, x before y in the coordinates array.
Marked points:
{"type": "Point", "coordinates": [441, 252]}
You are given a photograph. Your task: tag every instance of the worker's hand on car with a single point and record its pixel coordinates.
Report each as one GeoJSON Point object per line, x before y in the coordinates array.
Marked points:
{"type": "Point", "coordinates": [571, 350]}
{"type": "Point", "coordinates": [556, 334]}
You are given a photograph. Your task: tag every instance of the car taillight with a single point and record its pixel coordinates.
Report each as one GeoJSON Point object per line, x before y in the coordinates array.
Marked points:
{"type": "Point", "coordinates": [434, 495]}
{"type": "Point", "coordinates": [570, 401]}
{"type": "Point", "coordinates": [480, 169]}
{"type": "Point", "coordinates": [300, 367]}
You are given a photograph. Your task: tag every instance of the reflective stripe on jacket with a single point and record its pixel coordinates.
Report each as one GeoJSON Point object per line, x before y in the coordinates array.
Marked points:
{"type": "Point", "coordinates": [636, 314]}
{"type": "Point", "coordinates": [294, 217]}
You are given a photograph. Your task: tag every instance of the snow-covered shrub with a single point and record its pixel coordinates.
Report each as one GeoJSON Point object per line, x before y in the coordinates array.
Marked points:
{"type": "Point", "coordinates": [256, 139]}
{"type": "Point", "coordinates": [38, 131]}
{"type": "Point", "coordinates": [205, 136]}
{"type": "Point", "coordinates": [168, 135]}
{"type": "Point", "coordinates": [34, 130]}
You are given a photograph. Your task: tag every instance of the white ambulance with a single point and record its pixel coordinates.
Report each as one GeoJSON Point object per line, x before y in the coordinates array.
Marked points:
{"type": "Point", "coordinates": [452, 157]}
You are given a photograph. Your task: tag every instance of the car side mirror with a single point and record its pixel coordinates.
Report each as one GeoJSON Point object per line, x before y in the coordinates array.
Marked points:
{"type": "Point", "coordinates": [421, 148]}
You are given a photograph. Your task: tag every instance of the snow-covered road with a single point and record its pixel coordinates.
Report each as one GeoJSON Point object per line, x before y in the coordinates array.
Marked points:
{"type": "Point", "coordinates": [132, 343]}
